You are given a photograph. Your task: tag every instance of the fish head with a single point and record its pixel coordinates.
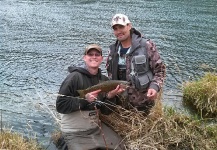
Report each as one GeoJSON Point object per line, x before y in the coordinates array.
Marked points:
{"type": "Point", "coordinates": [124, 84]}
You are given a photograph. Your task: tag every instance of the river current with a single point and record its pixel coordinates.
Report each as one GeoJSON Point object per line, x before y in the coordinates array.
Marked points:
{"type": "Point", "coordinates": [41, 38]}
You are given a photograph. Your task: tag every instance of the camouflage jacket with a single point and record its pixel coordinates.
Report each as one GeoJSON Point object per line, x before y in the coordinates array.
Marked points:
{"type": "Point", "coordinates": [156, 65]}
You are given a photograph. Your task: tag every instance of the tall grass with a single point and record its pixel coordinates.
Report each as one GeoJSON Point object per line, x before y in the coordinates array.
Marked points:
{"type": "Point", "coordinates": [170, 131]}
{"type": "Point", "coordinates": [201, 95]}
{"type": "Point", "coordinates": [162, 129]}
{"type": "Point", "coordinates": [166, 129]}
{"type": "Point", "coordinates": [15, 141]}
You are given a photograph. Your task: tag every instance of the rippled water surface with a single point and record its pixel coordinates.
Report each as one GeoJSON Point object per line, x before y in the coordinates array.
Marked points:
{"type": "Point", "coordinates": [41, 38]}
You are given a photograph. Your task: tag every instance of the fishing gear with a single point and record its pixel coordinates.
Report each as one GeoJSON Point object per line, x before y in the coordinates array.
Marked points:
{"type": "Point", "coordinates": [97, 104]}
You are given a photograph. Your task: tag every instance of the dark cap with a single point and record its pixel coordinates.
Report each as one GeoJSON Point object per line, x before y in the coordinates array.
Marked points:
{"type": "Point", "coordinates": [93, 46]}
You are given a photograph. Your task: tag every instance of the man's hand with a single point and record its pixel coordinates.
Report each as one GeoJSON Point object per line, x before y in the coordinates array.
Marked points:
{"type": "Point", "coordinates": [152, 94]}
{"type": "Point", "coordinates": [92, 96]}
{"type": "Point", "coordinates": [119, 89]}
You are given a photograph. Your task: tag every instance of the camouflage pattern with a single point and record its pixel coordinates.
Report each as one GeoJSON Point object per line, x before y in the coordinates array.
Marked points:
{"type": "Point", "coordinates": [138, 98]}
{"type": "Point", "coordinates": [156, 64]}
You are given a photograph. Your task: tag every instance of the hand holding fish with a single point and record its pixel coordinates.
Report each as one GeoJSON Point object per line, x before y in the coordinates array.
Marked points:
{"type": "Point", "coordinates": [92, 96]}
{"type": "Point", "coordinates": [105, 86]}
{"type": "Point", "coordinates": [118, 90]}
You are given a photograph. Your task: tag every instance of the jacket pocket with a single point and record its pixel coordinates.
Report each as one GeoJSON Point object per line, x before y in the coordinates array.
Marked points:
{"type": "Point", "coordinates": [141, 76]}
{"type": "Point", "coordinates": [142, 82]}
{"type": "Point", "coordinates": [139, 64]}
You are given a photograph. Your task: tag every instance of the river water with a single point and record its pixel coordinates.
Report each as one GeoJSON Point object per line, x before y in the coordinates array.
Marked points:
{"type": "Point", "coordinates": [41, 38]}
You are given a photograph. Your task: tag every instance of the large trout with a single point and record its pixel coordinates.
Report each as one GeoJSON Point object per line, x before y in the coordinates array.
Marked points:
{"type": "Point", "coordinates": [105, 86]}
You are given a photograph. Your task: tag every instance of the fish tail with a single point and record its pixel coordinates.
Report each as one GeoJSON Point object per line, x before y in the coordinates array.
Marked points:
{"type": "Point", "coordinates": [81, 93]}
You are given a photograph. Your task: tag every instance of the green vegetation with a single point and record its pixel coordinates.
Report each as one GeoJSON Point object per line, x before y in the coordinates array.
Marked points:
{"type": "Point", "coordinates": [201, 95]}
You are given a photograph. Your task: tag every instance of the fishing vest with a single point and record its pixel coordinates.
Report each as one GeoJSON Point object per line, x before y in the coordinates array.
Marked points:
{"type": "Point", "coordinates": [139, 72]}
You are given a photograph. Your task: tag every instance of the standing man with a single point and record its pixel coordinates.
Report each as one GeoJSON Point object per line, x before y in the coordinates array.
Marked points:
{"type": "Point", "coordinates": [80, 124]}
{"type": "Point", "coordinates": [135, 59]}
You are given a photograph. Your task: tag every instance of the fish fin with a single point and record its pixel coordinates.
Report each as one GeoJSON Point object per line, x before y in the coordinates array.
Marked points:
{"type": "Point", "coordinates": [81, 93]}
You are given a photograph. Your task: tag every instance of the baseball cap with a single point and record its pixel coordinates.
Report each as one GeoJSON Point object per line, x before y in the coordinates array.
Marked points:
{"type": "Point", "coordinates": [120, 19]}
{"type": "Point", "coordinates": [93, 46]}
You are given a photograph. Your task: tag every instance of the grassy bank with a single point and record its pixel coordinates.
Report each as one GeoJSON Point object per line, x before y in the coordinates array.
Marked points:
{"type": "Point", "coordinates": [15, 141]}
{"type": "Point", "coordinates": [163, 129]}
{"type": "Point", "coordinates": [170, 131]}
{"type": "Point", "coordinates": [201, 95]}
{"type": "Point", "coordinates": [166, 129]}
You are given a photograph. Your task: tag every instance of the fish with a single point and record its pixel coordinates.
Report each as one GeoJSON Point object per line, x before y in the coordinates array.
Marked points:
{"type": "Point", "coordinates": [105, 86]}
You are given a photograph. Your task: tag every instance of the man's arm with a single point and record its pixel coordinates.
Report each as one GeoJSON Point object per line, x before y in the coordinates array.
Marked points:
{"type": "Point", "coordinates": [157, 66]}
{"type": "Point", "coordinates": [68, 100]}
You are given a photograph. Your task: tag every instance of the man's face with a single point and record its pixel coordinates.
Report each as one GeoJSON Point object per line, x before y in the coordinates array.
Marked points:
{"type": "Point", "coordinates": [93, 58]}
{"type": "Point", "coordinates": [121, 32]}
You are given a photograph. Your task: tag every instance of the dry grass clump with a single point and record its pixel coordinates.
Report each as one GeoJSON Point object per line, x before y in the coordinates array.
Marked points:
{"type": "Point", "coordinates": [56, 136]}
{"type": "Point", "coordinates": [159, 130]}
{"type": "Point", "coordinates": [15, 141]}
{"type": "Point", "coordinates": [201, 95]}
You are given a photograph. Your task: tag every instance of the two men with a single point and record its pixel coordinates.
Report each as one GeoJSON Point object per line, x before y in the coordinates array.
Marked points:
{"type": "Point", "coordinates": [131, 58]}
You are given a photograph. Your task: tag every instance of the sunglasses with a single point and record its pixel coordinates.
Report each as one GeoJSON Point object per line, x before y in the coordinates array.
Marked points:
{"type": "Point", "coordinates": [94, 54]}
